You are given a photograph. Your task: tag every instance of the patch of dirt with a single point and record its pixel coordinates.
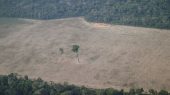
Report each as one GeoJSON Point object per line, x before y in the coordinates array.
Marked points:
{"type": "Point", "coordinates": [100, 25]}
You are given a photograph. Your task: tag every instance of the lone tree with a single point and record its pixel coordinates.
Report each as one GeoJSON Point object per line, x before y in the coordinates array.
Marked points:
{"type": "Point", "coordinates": [75, 49]}
{"type": "Point", "coordinates": [61, 50]}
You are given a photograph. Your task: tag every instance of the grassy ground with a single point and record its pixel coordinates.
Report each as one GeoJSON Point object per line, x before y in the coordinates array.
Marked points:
{"type": "Point", "coordinates": [110, 56]}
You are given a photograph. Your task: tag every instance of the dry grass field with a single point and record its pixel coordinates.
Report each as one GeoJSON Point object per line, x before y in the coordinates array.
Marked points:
{"type": "Point", "coordinates": [110, 55]}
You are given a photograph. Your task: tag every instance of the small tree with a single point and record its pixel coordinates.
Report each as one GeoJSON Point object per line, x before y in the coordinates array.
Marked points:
{"type": "Point", "coordinates": [163, 92]}
{"type": "Point", "coordinates": [61, 50]}
{"type": "Point", "coordinates": [75, 49]}
{"type": "Point", "coordinates": [153, 92]}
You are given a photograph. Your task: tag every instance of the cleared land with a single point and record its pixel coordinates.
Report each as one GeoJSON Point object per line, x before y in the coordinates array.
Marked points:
{"type": "Point", "coordinates": [110, 56]}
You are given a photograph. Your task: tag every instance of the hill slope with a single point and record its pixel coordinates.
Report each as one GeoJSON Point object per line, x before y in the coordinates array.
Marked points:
{"type": "Point", "coordinates": [110, 56]}
{"type": "Point", "coordinates": [147, 13]}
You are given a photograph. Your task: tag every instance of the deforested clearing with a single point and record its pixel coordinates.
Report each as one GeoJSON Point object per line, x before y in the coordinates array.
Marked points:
{"type": "Point", "coordinates": [109, 55]}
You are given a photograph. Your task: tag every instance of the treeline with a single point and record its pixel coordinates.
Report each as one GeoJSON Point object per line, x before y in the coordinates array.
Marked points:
{"type": "Point", "coordinates": [147, 13]}
{"type": "Point", "coordinates": [14, 84]}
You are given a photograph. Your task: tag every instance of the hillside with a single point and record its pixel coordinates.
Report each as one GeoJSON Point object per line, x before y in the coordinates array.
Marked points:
{"type": "Point", "coordinates": [146, 13]}
{"type": "Point", "coordinates": [110, 56]}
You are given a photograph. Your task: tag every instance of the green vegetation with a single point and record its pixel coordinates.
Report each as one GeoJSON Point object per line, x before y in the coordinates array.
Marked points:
{"type": "Point", "coordinates": [61, 50]}
{"type": "Point", "coordinates": [146, 13]}
{"type": "Point", "coordinates": [14, 84]}
{"type": "Point", "coordinates": [76, 50]}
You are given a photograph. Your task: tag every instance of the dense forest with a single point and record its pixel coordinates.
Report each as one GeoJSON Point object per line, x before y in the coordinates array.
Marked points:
{"type": "Point", "coordinates": [146, 13]}
{"type": "Point", "coordinates": [14, 84]}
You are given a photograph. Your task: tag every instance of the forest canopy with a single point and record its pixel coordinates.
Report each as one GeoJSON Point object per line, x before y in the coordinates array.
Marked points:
{"type": "Point", "coordinates": [145, 13]}
{"type": "Point", "coordinates": [14, 84]}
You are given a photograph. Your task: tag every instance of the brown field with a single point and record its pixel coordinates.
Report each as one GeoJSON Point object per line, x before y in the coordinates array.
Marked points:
{"type": "Point", "coordinates": [110, 56]}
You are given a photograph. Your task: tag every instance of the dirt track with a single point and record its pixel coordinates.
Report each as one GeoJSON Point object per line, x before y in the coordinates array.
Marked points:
{"type": "Point", "coordinates": [110, 56]}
